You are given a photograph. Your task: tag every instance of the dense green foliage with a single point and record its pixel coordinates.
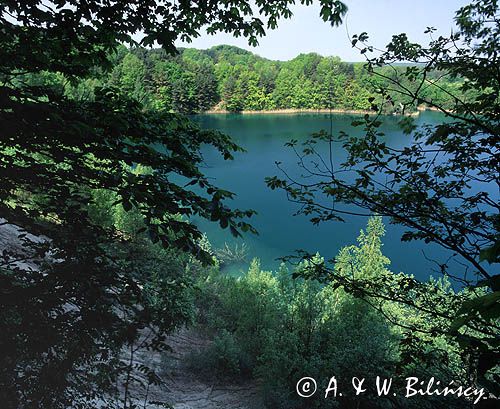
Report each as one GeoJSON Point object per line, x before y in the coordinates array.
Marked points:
{"type": "Point", "coordinates": [277, 329]}
{"type": "Point", "coordinates": [230, 78]}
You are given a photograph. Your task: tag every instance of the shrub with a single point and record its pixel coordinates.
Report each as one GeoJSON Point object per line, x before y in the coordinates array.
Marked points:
{"type": "Point", "coordinates": [222, 360]}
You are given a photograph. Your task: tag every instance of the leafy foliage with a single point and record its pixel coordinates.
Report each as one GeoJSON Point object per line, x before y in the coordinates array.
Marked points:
{"type": "Point", "coordinates": [68, 141]}
{"type": "Point", "coordinates": [427, 187]}
{"type": "Point", "coordinates": [234, 79]}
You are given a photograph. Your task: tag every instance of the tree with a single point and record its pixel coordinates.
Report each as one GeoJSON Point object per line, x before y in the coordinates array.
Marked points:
{"type": "Point", "coordinates": [232, 93]}
{"type": "Point", "coordinates": [63, 322]}
{"type": "Point", "coordinates": [443, 188]}
{"type": "Point", "coordinates": [206, 87]}
{"type": "Point", "coordinates": [132, 76]}
{"type": "Point", "coordinates": [254, 95]}
{"type": "Point", "coordinates": [282, 92]}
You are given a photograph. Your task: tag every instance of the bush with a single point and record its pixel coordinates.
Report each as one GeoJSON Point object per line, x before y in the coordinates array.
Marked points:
{"type": "Point", "coordinates": [222, 360]}
{"type": "Point", "coordinates": [279, 329]}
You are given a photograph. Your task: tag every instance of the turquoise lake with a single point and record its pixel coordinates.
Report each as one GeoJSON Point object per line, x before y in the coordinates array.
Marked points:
{"type": "Point", "coordinates": [280, 232]}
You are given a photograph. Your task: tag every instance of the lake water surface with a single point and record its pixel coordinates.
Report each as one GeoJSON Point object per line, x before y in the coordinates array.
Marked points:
{"type": "Point", "coordinates": [280, 233]}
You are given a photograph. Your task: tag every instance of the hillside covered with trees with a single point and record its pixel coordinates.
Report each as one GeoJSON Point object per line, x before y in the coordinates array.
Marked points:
{"type": "Point", "coordinates": [232, 79]}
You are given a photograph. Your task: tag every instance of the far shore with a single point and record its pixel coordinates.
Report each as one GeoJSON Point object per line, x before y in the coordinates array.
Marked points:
{"type": "Point", "coordinates": [301, 111]}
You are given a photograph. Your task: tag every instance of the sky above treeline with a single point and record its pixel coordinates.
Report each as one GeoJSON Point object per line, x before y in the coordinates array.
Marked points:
{"type": "Point", "coordinates": [306, 32]}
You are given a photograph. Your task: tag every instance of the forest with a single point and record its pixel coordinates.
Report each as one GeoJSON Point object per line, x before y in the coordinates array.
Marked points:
{"type": "Point", "coordinates": [232, 79]}
{"type": "Point", "coordinates": [111, 296]}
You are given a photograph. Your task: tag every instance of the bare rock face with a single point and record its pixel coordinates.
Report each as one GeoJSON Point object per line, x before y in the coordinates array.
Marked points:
{"type": "Point", "coordinates": [15, 250]}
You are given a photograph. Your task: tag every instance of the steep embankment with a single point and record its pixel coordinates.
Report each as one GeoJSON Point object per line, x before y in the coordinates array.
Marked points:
{"type": "Point", "coordinates": [179, 387]}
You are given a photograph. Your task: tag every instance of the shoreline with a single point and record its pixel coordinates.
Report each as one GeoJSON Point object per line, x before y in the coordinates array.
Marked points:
{"type": "Point", "coordinates": [289, 111]}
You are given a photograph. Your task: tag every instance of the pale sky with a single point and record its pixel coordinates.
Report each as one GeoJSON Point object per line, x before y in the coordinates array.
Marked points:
{"type": "Point", "coordinates": [306, 31]}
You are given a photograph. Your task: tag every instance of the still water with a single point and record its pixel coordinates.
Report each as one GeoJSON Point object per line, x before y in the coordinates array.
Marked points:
{"type": "Point", "coordinates": [280, 232]}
